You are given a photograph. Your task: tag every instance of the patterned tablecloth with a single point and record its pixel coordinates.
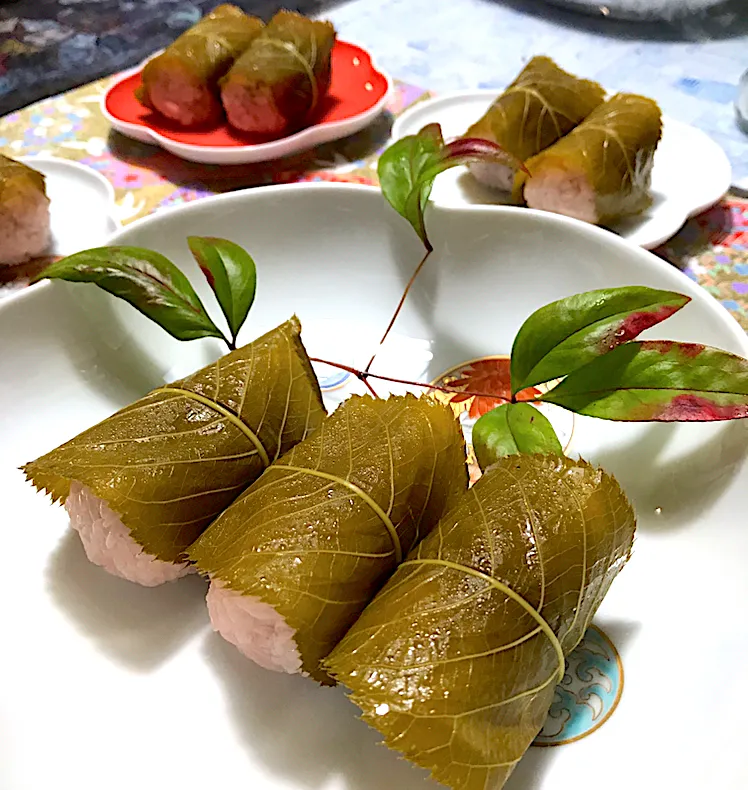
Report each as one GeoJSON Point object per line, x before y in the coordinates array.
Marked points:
{"type": "Point", "coordinates": [712, 249]}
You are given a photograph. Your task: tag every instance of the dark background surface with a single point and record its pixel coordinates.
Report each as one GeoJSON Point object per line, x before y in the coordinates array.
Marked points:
{"type": "Point", "coordinates": [50, 46]}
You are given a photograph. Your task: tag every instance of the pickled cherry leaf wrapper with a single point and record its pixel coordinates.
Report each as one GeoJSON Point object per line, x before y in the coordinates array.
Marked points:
{"type": "Point", "coordinates": [542, 104]}
{"type": "Point", "coordinates": [169, 463]}
{"type": "Point", "coordinates": [613, 151]}
{"type": "Point", "coordinates": [317, 535]}
{"type": "Point", "coordinates": [24, 213]}
{"type": "Point", "coordinates": [16, 178]}
{"type": "Point", "coordinates": [456, 660]}
{"type": "Point", "coordinates": [203, 54]}
{"type": "Point", "coordinates": [285, 72]}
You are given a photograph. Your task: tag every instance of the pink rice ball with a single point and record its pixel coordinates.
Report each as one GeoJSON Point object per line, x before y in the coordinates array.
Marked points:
{"type": "Point", "coordinates": [108, 543]}
{"type": "Point", "coordinates": [255, 628]}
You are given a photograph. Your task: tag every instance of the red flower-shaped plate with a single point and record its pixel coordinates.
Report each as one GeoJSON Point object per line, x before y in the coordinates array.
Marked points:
{"type": "Point", "coordinates": [358, 93]}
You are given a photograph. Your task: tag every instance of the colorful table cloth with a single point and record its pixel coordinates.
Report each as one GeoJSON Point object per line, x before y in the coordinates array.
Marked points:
{"type": "Point", "coordinates": [712, 249]}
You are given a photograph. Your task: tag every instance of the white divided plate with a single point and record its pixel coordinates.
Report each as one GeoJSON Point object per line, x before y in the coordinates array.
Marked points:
{"type": "Point", "coordinates": [691, 172]}
{"type": "Point", "coordinates": [125, 687]}
{"type": "Point", "coordinates": [82, 207]}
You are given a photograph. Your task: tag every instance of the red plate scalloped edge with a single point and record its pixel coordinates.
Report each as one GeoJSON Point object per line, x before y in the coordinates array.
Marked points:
{"type": "Point", "coordinates": [358, 93]}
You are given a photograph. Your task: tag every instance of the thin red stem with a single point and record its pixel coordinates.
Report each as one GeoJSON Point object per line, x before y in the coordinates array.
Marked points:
{"type": "Point", "coordinates": [363, 375]}
{"type": "Point", "coordinates": [398, 308]}
{"type": "Point", "coordinates": [368, 386]}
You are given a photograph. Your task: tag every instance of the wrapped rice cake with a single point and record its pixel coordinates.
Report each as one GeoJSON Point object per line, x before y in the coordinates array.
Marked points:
{"type": "Point", "coordinates": [542, 105]}
{"type": "Point", "coordinates": [295, 560]}
{"type": "Point", "coordinates": [143, 484]}
{"type": "Point", "coordinates": [24, 212]}
{"type": "Point", "coordinates": [601, 171]}
{"type": "Point", "coordinates": [277, 84]}
{"type": "Point", "coordinates": [182, 82]}
{"type": "Point", "coordinates": [456, 660]}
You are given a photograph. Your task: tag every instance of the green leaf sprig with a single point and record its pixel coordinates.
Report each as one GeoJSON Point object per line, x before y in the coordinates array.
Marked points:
{"type": "Point", "coordinates": [585, 340]}
{"type": "Point", "coordinates": [581, 349]}
{"type": "Point", "coordinates": [154, 286]}
{"type": "Point", "coordinates": [588, 342]}
{"type": "Point", "coordinates": [231, 273]}
{"type": "Point", "coordinates": [407, 170]}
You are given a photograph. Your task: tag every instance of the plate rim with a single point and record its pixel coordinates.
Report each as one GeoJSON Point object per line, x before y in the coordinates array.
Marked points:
{"type": "Point", "coordinates": [488, 93]}
{"type": "Point", "coordinates": [304, 139]}
{"type": "Point", "coordinates": [603, 235]}
{"type": "Point", "coordinates": [109, 209]}
{"type": "Point", "coordinates": [29, 160]}
{"type": "Point", "coordinates": [349, 190]}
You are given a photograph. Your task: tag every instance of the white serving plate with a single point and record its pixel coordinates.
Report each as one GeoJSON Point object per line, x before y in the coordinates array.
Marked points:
{"type": "Point", "coordinates": [82, 207]}
{"type": "Point", "coordinates": [691, 171]}
{"type": "Point", "coordinates": [114, 685]}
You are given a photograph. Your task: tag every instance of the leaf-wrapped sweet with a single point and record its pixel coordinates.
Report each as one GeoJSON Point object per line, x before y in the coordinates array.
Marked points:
{"type": "Point", "coordinates": [276, 85]}
{"type": "Point", "coordinates": [456, 660]}
{"type": "Point", "coordinates": [602, 170]}
{"type": "Point", "coordinates": [318, 534]}
{"type": "Point", "coordinates": [542, 104]}
{"type": "Point", "coordinates": [24, 212]}
{"type": "Point", "coordinates": [182, 82]}
{"type": "Point", "coordinates": [14, 173]}
{"type": "Point", "coordinates": [169, 463]}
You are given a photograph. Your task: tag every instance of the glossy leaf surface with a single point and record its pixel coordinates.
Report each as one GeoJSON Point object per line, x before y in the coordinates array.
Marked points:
{"type": "Point", "coordinates": [147, 280]}
{"type": "Point", "coordinates": [318, 534]}
{"type": "Point", "coordinates": [567, 334]}
{"type": "Point", "coordinates": [456, 660]}
{"type": "Point", "coordinates": [172, 461]}
{"type": "Point", "coordinates": [231, 273]}
{"type": "Point", "coordinates": [511, 429]}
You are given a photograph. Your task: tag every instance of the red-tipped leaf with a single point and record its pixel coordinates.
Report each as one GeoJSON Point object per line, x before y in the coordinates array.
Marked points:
{"type": "Point", "coordinates": [407, 170]}
{"type": "Point", "coordinates": [565, 335]}
{"type": "Point", "coordinates": [658, 380]}
{"type": "Point", "coordinates": [230, 272]}
{"type": "Point", "coordinates": [147, 280]}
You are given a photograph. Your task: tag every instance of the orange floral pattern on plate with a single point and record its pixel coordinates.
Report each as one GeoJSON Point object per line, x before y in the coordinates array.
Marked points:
{"type": "Point", "coordinates": [490, 376]}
